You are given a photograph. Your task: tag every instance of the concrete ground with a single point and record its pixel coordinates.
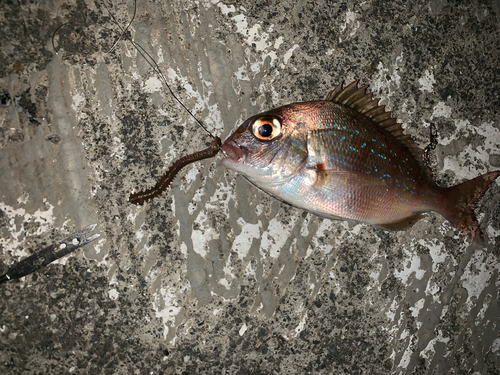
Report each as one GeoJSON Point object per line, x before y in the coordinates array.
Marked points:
{"type": "Point", "coordinates": [197, 280]}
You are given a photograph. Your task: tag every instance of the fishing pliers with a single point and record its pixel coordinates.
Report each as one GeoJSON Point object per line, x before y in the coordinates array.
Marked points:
{"type": "Point", "coordinates": [51, 253]}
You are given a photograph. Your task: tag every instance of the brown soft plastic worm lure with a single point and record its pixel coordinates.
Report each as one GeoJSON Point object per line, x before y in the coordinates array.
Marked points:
{"type": "Point", "coordinates": [146, 195]}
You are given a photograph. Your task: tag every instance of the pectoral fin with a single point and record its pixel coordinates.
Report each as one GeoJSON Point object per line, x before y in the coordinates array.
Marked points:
{"type": "Point", "coordinates": [329, 179]}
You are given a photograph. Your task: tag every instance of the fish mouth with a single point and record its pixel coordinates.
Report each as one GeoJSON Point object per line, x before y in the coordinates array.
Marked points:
{"type": "Point", "coordinates": [234, 151]}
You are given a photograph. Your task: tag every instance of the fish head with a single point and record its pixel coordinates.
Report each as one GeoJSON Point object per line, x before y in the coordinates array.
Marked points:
{"type": "Point", "coordinates": [269, 148]}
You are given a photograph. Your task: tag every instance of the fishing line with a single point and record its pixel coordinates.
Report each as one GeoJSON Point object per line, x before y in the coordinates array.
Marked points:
{"type": "Point", "coordinates": [164, 182]}
{"type": "Point", "coordinates": [151, 61]}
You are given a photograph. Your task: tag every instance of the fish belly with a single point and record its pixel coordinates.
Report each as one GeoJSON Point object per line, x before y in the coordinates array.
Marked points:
{"type": "Point", "coordinates": [375, 204]}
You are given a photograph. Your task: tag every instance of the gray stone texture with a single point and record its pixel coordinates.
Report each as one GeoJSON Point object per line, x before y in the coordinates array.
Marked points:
{"type": "Point", "coordinates": [195, 281]}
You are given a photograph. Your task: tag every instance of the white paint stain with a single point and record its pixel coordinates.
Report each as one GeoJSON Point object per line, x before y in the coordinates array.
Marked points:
{"type": "Point", "coordinates": [255, 36]}
{"type": "Point", "coordinates": [381, 82]}
{"type": "Point", "coordinates": [153, 84]}
{"type": "Point", "coordinates": [241, 74]}
{"type": "Point", "coordinates": [276, 235]}
{"type": "Point", "coordinates": [482, 312]}
{"type": "Point", "coordinates": [15, 218]}
{"type": "Point", "coordinates": [224, 8]}
{"type": "Point", "coordinates": [477, 275]}
{"type": "Point", "coordinates": [224, 283]}
{"type": "Point", "coordinates": [265, 42]}
{"type": "Point", "coordinates": [405, 359]}
{"type": "Point", "coordinates": [429, 351]}
{"type": "Point", "coordinates": [495, 347]}
{"type": "Point", "coordinates": [318, 242]}
{"type": "Point", "coordinates": [168, 299]}
{"type": "Point", "coordinates": [243, 241]}
{"type": "Point", "coordinates": [243, 329]}
{"type": "Point", "coordinates": [375, 276]}
{"type": "Point", "coordinates": [113, 294]}
{"type": "Point", "coordinates": [492, 232]}
{"type": "Point", "coordinates": [436, 249]}
{"type": "Point", "coordinates": [415, 309]}
{"type": "Point", "coordinates": [190, 176]}
{"type": "Point", "coordinates": [203, 235]}
{"type": "Point", "coordinates": [391, 311]}
{"type": "Point", "coordinates": [301, 325]}
{"type": "Point", "coordinates": [118, 149]}
{"type": "Point", "coordinates": [433, 289]}
{"type": "Point", "coordinates": [304, 231]}
{"type": "Point", "coordinates": [351, 20]}
{"type": "Point", "coordinates": [427, 81]}
{"type": "Point", "coordinates": [441, 110]}
{"type": "Point", "coordinates": [193, 203]}
{"type": "Point", "coordinates": [213, 120]}
{"type": "Point", "coordinates": [278, 42]}
{"type": "Point", "coordinates": [288, 55]}
{"type": "Point", "coordinates": [466, 164]}
{"type": "Point", "coordinates": [78, 100]}
{"type": "Point", "coordinates": [411, 265]}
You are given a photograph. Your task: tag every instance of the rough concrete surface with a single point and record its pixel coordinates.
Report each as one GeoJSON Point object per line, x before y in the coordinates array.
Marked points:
{"type": "Point", "coordinates": [195, 281]}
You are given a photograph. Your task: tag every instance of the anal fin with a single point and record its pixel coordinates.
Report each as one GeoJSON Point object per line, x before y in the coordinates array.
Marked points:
{"type": "Point", "coordinates": [401, 224]}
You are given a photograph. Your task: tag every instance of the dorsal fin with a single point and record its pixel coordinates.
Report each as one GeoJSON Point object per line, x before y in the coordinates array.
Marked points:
{"type": "Point", "coordinates": [358, 99]}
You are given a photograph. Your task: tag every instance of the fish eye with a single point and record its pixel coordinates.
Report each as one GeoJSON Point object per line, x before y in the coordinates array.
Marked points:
{"type": "Point", "coordinates": [266, 128]}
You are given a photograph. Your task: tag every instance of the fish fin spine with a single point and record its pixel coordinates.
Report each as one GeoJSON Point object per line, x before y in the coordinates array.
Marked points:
{"type": "Point", "coordinates": [363, 102]}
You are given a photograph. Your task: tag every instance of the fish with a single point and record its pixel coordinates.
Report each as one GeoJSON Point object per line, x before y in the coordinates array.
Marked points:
{"type": "Point", "coordinates": [347, 158]}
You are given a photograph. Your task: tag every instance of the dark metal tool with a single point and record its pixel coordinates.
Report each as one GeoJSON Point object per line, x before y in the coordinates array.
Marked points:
{"type": "Point", "coordinates": [51, 253]}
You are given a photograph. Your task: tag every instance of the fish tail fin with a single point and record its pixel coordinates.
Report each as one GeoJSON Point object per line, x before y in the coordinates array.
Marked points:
{"type": "Point", "coordinates": [460, 200]}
